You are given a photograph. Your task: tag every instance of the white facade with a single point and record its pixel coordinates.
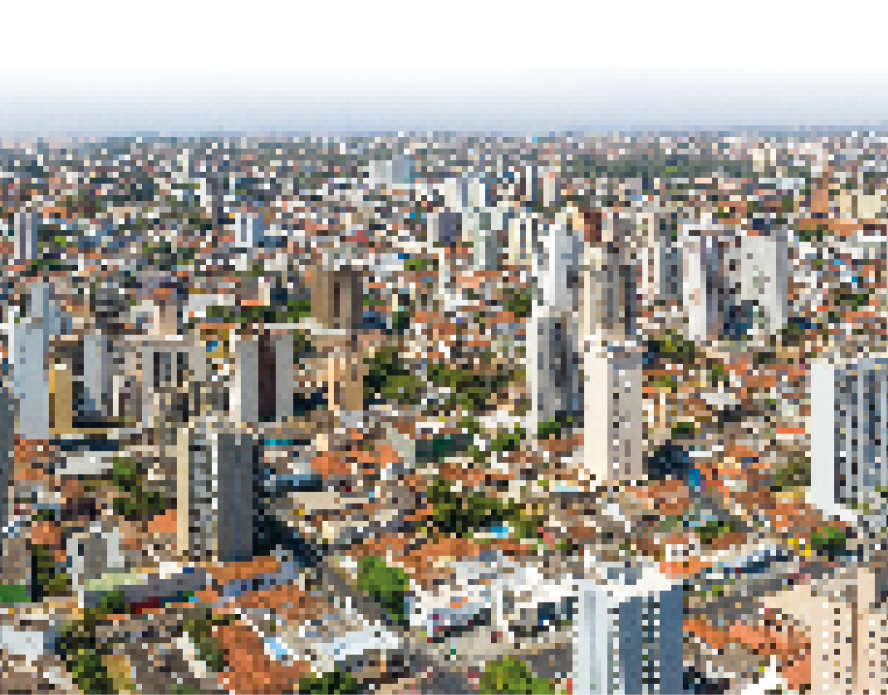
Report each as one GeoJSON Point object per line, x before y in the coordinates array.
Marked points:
{"type": "Point", "coordinates": [249, 229]}
{"type": "Point", "coordinates": [733, 282]}
{"type": "Point", "coordinates": [25, 226]}
{"type": "Point", "coordinates": [630, 636]}
{"type": "Point", "coordinates": [552, 365]}
{"type": "Point", "coordinates": [849, 430]}
{"type": "Point", "coordinates": [612, 430]}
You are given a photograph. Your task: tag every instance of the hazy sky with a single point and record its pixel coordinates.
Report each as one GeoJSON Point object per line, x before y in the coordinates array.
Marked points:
{"type": "Point", "coordinates": [103, 67]}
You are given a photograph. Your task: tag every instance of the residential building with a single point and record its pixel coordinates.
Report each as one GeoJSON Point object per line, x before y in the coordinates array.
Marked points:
{"type": "Point", "coordinates": [629, 634]}
{"type": "Point", "coordinates": [522, 237]}
{"type": "Point", "coordinates": [25, 226]}
{"type": "Point", "coordinates": [444, 227]}
{"type": "Point", "coordinates": [552, 330]}
{"type": "Point", "coordinates": [612, 435]}
{"type": "Point", "coordinates": [609, 296]}
{"type": "Point", "coordinates": [263, 377]}
{"type": "Point", "coordinates": [7, 429]}
{"type": "Point", "coordinates": [337, 297]}
{"type": "Point", "coordinates": [733, 284]}
{"type": "Point", "coordinates": [249, 229]}
{"type": "Point", "coordinates": [31, 379]}
{"type": "Point", "coordinates": [849, 431]}
{"type": "Point", "coordinates": [552, 365]}
{"type": "Point", "coordinates": [848, 623]}
{"type": "Point", "coordinates": [172, 369]}
{"type": "Point", "coordinates": [92, 553]}
{"type": "Point", "coordinates": [97, 376]}
{"type": "Point", "coordinates": [215, 492]}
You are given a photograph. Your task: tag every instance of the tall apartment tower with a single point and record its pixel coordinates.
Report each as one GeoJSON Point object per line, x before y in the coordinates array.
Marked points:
{"type": "Point", "coordinates": [97, 377]}
{"type": "Point", "coordinates": [30, 346]}
{"type": "Point", "coordinates": [263, 378]}
{"type": "Point", "coordinates": [338, 309]}
{"type": "Point", "coordinates": [444, 227]}
{"type": "Point", "coordinates": [612, 441]}
{"type": "Point", "coordinates": [612, 430]}
{"type": "Point", "coordinates": [848, 622]}
{"type": "Point", "coordinates": [552, 329]}
{"type": "Point", "coordinates": [630, 636]}
{"type": "Point", "coordinates": [7, 429]}
{"type": "Point", "coordinates": [249, 229]}
{"type": "Point", "coordinates": [734, 284]}
{"type": "Point", "coordinates": [25, 226]}
{"type": "Point", "coordinates": [849, 430]}
{"type": "Point", "coordinates": [523, 231]}
{"type": "Point", "coordinates": [215, 494]}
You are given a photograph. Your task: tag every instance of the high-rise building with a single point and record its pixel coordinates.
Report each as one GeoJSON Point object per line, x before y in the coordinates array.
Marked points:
{"type": "Point", "coordinates": [337, 297]}
{"type": "Point", "coordinates": [445, 227]}
{"type": "Point", "coordinates": [97, 377]}
{"type": "Point", "coordinates": [7, 428]}
{"type": "Point", "coordinates": [848, 623]}
{"type": "Point", "coordinates": [733, 285]}
{"type": "Point", "coordinates": [215, 492]}
{"type": "Point", "coordinates": [552, 339]}
{"type": "Point", "coordinates": [849, 430]}
{"type": "Point", "coordinates": [552, 365]}
{"type": "Point", "coordinates": [263, 378]}
{"type": "Point", "coordinates": [249, 229]}
{"type": "Point", "coordinates": [171, 373]}
{"type": "Point", "coordinates": [629, 635]}
{"type": "Point", "coordinates": [25, 226]}
{"type": "Point", "coordinates": [522, 238]}
{"type": "Point", "coordinates": [31, 380]}
{"type": "Point", "coordinates": [612, 434]}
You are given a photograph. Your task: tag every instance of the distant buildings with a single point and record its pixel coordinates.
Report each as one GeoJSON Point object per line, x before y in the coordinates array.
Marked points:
{"type": "Point", "coordinates": [629, 635]}
{"type": "Point", "coordinates": [849, 430]}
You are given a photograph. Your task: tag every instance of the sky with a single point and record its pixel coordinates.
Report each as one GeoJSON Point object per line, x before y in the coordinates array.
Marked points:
{"type": "Point", "coordinates": [98, 67]}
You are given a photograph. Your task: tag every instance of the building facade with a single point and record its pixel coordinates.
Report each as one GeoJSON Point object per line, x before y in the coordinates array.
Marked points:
{"type": "Point", "coordinates": [215, 492]}
{"type": "Point", "coordinates": [629, 636]}
{"type": "Point", "coordinates": [849, 432]}
{"type": "Point", "coordinates": [25, 226]}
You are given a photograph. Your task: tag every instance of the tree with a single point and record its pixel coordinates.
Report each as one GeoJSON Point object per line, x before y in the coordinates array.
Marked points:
{"type": "Point", "coordinates": [330, 682]}
{"type": "Point", "coordinates": [46, 578]}
{"type": "Point", "coordinates": [388, 585]}
{"type": "Point", "coordinates": [510, 675]}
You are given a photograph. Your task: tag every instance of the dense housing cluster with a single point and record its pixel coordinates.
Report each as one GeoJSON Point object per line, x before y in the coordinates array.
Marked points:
{"type": "Point", "coordinates": [444, 413]}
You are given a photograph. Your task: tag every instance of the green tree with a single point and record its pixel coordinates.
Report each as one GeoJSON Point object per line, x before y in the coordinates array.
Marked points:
{"type": "Point", "coordinates": [46, 578]}
{"type": "Point", "coordinates": [330, 682]}
{"type": "Point", "coordinates": [200, 631]}
{"type": "Point", "coordinates": [387, 585]}
{"type": "Point", "coordinates": [510, 675]}
{"type": "Point", "coordinates": [519, 302]}
{"type": "Point", "coordinates": [388, 376]}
